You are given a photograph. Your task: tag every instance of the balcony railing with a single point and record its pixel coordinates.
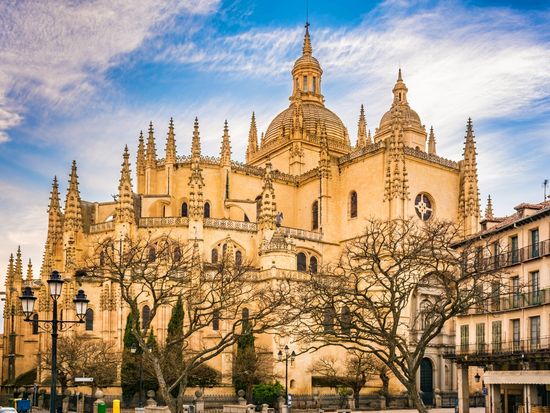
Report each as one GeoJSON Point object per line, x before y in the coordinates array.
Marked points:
{"type": "Point", "coordinates": [515, 300]}
{"type": "Point", "coordinates": [527, 346]}
{"type": "Point", "coordinates": [514, 257]}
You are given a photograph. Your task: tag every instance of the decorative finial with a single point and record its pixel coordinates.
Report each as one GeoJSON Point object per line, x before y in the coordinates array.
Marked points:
{"type": "Point", "coordinates": [399, 76]}
{"type": "Point", "coordinates": [489, 208]}
{"type": "Point", "coordinates": [431, 141]}
{"type": "Point", "coordinates": [307, 49]}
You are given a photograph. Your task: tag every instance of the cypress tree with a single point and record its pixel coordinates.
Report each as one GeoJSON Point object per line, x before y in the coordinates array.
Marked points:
{"type": "Point", "coordinates": [173, 352]}
{"type": "Point", "coordinates": [129, 373]}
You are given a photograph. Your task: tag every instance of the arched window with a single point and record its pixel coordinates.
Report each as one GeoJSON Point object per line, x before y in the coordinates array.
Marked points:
{"type": "Point", "coordinates": [301, 262]}
{"type": "Point", "coordinates": [292, 383]}
{"type": "Point", "coordinates": [345, 320]}
{"type": "Point", "coordinates": [102, 258]}
{"type": "Point", "coordinates": [177, 254]}
{"type": "Point", "coordinates": [305, 84]}
{"type": "Point", "coordinates": [315, 215]}
{"type": "Point", "coordinates": [313, 265]}
{"type": "Point", "coordinates": [216, 320]}
{"type": "Point", "coordinates": [258, 207]}
{"type": "Point", "coordinates": [426, 314]}
{"type": "Point", "coordinates": [35, 324]}
{"type": "Point", "coordinates": [328, 320]}
{"type": "Point", "coordinates": [89, 319]}
{"type": "Point", "coordinates": [152, 254]}
{"type": "Point", "coordinates": [224, 249]}
{"type": "Point", "coordinates": [207, 209]}
{"type": "Point", "coordinates": [145, 317]}
{"type": "Point", "coordinates": [184, 210]}
{"type": "Point", "coordinates": [353, 204]}
{"type": "Point", "coordinates": [214, 256]}
{"type": "Point", "coordinates": [238, 258]}
{"type": "Point", "coordinates": [314, 84]}
{"type": "Point", "coordinates": [245, 316]}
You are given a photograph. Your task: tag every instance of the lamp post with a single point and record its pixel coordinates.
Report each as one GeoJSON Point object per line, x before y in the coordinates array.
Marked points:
{"type": "Point", "coordinates": [286, 356]}
{"type": "Point", "coordinates": [55, 284]}
{"type": "Point", "coordinates": [134, 350]}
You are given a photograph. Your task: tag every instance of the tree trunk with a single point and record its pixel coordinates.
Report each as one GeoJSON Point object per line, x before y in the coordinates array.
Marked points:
{"type": "Point", "coordinates": [414, 395]}
{"type": "Point", "coordinates": [163, 388]}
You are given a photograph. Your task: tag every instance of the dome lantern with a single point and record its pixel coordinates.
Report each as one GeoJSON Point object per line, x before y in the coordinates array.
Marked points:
{"type": "Point", "coordinates": [306, 74]}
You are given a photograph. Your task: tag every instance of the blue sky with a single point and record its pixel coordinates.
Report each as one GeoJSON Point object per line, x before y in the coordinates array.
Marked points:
{"type": "Point", "coordinates": [80, 79]}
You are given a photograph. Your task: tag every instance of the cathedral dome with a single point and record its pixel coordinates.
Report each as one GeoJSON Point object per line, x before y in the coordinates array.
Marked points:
{"type": "Point", "coordinates": [408, 116]}
{"type": "Point", "coordinates": [314, 114]}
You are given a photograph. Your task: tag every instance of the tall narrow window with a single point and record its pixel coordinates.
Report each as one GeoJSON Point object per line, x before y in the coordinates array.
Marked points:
{"type": "Point", "coordinates": [353, 204]}
{"type": "Point", "coordinates": [245, 314]}
{"type": "Point", "coordinates": [207, 210]}
{"type": "Point", "coordinates": [345, 320]}
{"type": "Point", "coordinates": [305, 84]}
{"type": "Point", "coordinates": [152, 254]}
{"type": "Point", "coordinates": [313, 265]}
{"type": "Point", "coordinates": [534, 293]}
{"type": "Point", "coordinates": [495, 296]}
{"type": "Point", "coordinates": [534, 332]}
{"type": "Point", "coordinates": [315, 215]}
{"type": "Point", "coordinates": [35, 324]}
{"type": "Point", "coordinates": [514, 247]}
{"type": "Point", "coordinates": [163, 211]}
{"type": "Point", "coordinates": [516, 343]}
{"type": "Point", "coordinates": [314, 84]}
{"type": "Point", "coordinates": [216, 320]}
{"type": "Point", "coordinates": [177, 254]}
{"type": "Point", "coordinates": [496, 255]}
{"type": "Point", "coordinates": [227, 186]}
{"type": "Point", "coordinates": [328, 320]}
{"type": "Point", "coordinates": [145, 317]}
{"type": "Point", "coordinates": [534, 243]}
{"type": "Point", "coordinates": [464, 338]}
{"type": "Point", "coordinates": [301, 263]}
{"type": "Point", "coordinates": [214, 256]}
{"type": "Point", "coordinates": [480, 337]}
{"type": "Point", "coordinates": [258, 207]}
{"type": "Point", "coordinates": [238, 258]}
{"type": "Point", "coordinates": [515, 292]}
{"type": "Point", "coordinates": [89, 319]}
{"type": "Point", "coordinates": [184, 211]}
{"type": "Point", "coordinates": [496, 339]}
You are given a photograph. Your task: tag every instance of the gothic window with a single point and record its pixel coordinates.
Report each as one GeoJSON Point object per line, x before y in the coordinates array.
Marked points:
{"type": "Point", "coordinates": [258, 207]}
{"type": "Point", "coordinates": [177, 254]}
{"type": "Point", "coordinates": [328, 320]}
{"type": "Point", "coordinates": [184, 211]}
{"type": "Point", "coordinates": [207, 209]}
{"type": "Point", "coordinates": [305, 84]}
{"type": "Point", "coordinates": [238, 258]}
{"type": "Point", "coordinates": [314, 84]}
{"type": "Point", "coordinates": [152, 254]}
{"type": "Point", "coordinates": [89, 319]}
{"type": "Point", "coordinates": [145, 317]}
{"type": "Point", "coordinates": [423, 206]}
{"type": "Point", "coordinates": [102, 258]}
{"type": "Point", "coordinates": [35, 324]}
{"type": "Point", "coordinates": [345, 320]}
{"type": "Point", "coordinates": [313, 265]}
{"type": "Point", "coordinates": [224, 249]}
{"type": "Point", "coordinates": [245, 315]}
{"type": "Point", "coordinates": [214, 256]}
{"type": "Point", "coordinates": [301, 262]}
{"type": "Point", "coordinates": [216, 320]}
{"type": "Point", "coordinates": [353, 204]}
{"type": "Point", "coordinates": [315, 215]}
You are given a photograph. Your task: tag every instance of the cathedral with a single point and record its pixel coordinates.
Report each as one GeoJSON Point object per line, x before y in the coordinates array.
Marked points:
{"type": "Point", "coordinates": [304, 178]}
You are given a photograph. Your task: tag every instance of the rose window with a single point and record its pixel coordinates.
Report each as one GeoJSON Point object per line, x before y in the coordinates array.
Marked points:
{"type": "Point", "coordinates": [423, 206]}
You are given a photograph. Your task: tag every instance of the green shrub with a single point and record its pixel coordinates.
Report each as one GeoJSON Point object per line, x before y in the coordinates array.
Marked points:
{"type": "Point", "coordinates": [267, 393]}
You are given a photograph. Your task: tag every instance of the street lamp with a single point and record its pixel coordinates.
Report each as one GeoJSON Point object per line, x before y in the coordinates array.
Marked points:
{"type": "Point", "coordinates": [28, 300]}
{"type": "Point", "coordinates": [286, 356]}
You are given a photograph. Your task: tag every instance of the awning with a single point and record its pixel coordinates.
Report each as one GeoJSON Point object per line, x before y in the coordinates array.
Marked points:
{"type": "Point", "coordinates": [517, 377]}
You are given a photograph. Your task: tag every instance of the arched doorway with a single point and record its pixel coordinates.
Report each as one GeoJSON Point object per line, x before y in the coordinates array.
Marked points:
{"type": "Point", "coordinates": [427, 381]}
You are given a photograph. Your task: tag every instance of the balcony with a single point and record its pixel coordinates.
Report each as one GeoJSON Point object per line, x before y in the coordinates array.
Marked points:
{"type": "Point", "coordinates": [515, 257]}
{"type": "Point", "coordinates": [535, 349]}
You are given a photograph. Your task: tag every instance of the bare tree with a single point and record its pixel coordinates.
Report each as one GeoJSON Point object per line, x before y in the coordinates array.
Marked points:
{"type": "Point", "coordinates": [221, 299]}
{"type": "Point", "coordinates": [370, 300]}
{"type": "Point", "coordinates": [354, 372]}
{"type": "Point", "coordinates": [83, 356]}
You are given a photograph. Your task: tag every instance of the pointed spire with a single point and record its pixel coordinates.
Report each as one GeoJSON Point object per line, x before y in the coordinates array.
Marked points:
{"type": "Point", "coordinates": [252, 147]}
{"type": "Point", "coordinates": [225, 152]}
{"type": "Point", "coordinates": [140, 159]}
{"type": "Point", "coordinates": [431, 142]}
{"type": "Point", "coordinates": [469, 191]}
{"type": "Point", "coordinates": [18, 272]}
{"type": "Point", "coordinates": [196, 142]}
{"type": "Point", "coordinates": [171, 144]}
{"type": "Point", "coordinates": [268, 206]}
{"type": "Point", "coordinates": [362, 129]}
{"type": "Point", "coordinates": [307, 50]}
{"type": "Point", "coordinates": [73, 210]}
{"type": "Point", "coordinates": [10, 271]}
{"type": "Point", "coordinates": [124, 211]}
{"type": "Point", "coordinates": [399, 76]}
{"type": "Point", "coordinates": [369, 138]}
{"type": "Point", "coordinates": [400, 90]}
{"type": "Point", "coordinates": [29, 271]}
{"type": "Point", "coordinates": [489, 209]}
{"type": "Point", "coordinates": [55, 216]}
{"type": "Point", "coordinates": [151, 148]}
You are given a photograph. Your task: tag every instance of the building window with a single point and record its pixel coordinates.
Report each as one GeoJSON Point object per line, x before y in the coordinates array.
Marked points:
{"type": "Point", "coordinates": [423, 205]}
{"type": "Point", "coordinates": [238, 258]}
{"type": "Point", "coordinates": [292, 383]}
{"type": "Point", "coordinates": [305, 84]}
{"type": "Point", "coordinates": [258, 207]}
{"type": "Point", "coordinates": [216, 320]}
{"type": "Point", "coordinates": [514, 247]}
{"type": "Point", "coordinates": [314, 84]}
{"type": "Point", "coordinates": [480, 337]}
{"type": "Point", "coordinates": [516, 337]}
{"type": "Point", "coordinates": [207, 210]}
{"type": "Point", "coordinates": [184, 210]}
{"type": "Point", "coordinates": [313, 265]}
{"type": "Point", "coordinates": [353, 205]}
{"type": "Point", "coordinates": [496, 336]}
{"type": "Point", "coordinates": [516, 297]}
{"type": "Point", "coordinates": [177, 254]}
{"type": "Point", "coordinates": [315, 215]}
{"type": "Point", "coordinates": [495, 296]}
{"type": "Point", "coordinates": [464, 338]}
{"type": "Point", "coordinates": [214, 256]}
{"type": "Point", "coordinates": [345, 320]}
{"type": "Point", "coordinates": [89, 319]}
{"type": "Point", "coordinates": [328, 320]}
{"type": "Point", "coordinates": [145, 317]}
{"type": "Point", "coordinates": [426, 309]}
{"type": "Point", "coordinates": [245, 314]}
{"type": "Point", "coordinates": [534, 293]}
{"type": "Point", "coordinates": [35, 324]}
{"type": "Point", "coordinates": [534, 332]}
{"type": "Point", "coordinates": [152, 254]}
{"type": "Point", "coordinates": [496, 255]}
{"type": "Point", "coordinates": [534, 248]}
{"type": "Point", "coordinates": [301, 263]}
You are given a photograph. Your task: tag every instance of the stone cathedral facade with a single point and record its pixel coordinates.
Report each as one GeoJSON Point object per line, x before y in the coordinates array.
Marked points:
{"type": "Point", "coordinates": [304, 170]}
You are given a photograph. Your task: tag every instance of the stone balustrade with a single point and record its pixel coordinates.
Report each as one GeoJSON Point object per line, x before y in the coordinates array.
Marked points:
{"type": "Point", "coordinates": [102, 227]}
{"type": "Point", "coordinates": [151, 222]}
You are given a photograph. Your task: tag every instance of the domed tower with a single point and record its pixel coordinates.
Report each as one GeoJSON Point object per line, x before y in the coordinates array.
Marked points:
{"type": "Point", "coordinates": [292, 142]}
{"type": "Point", "coordinates": [414, 133]}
